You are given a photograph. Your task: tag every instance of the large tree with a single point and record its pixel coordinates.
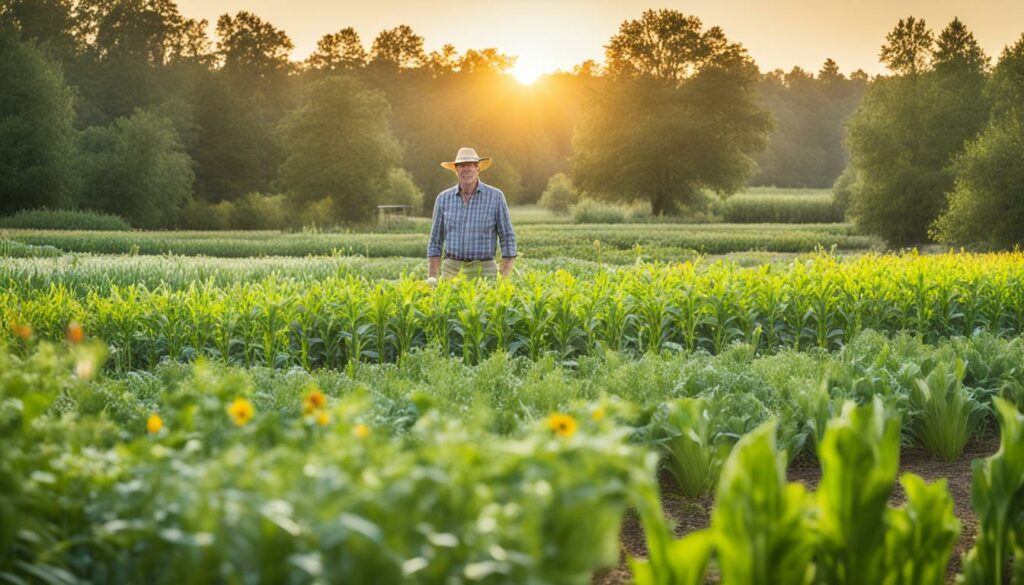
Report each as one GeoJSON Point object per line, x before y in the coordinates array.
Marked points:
{"type": "Point", "coordinates": [680, 115]}
{"type": "Point", "coordinates": [908, 128]}
{"type": "Point", "coordinates": [986, 207]}
{"type": "Point", "coordinates": [136, 168]}
{"type": "Point", "coordinates": [36, 135]}
{"type": "Point", "coordinates": [339, 146]}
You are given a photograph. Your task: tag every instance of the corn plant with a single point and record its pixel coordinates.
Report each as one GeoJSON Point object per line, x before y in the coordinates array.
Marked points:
{"type": "Point", "coordinates": [997, 497]}
{"type": "Point", "coordinates": [859, 457]}
{"type": "Point", "coordinates": [921, 535]}
{"type": "Point", "coordinates": [761, 524]}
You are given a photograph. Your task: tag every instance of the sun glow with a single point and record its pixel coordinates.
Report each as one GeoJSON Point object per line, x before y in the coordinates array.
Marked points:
{"type": "Point", "coordinates": [527, 70]}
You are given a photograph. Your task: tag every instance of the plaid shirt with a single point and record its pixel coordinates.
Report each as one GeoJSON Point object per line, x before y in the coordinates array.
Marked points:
{"type": "Point", "coordinates": [469, 230]}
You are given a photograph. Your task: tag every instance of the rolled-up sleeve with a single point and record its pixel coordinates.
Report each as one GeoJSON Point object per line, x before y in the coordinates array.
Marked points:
{"type": "Point", "coordinates": [436, 242]}
{"type": "Point", "coordinates": [506, 235]}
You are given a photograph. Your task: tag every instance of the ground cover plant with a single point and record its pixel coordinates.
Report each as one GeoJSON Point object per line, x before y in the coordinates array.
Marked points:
{"type": "Point", "coordinates": [406, 477]}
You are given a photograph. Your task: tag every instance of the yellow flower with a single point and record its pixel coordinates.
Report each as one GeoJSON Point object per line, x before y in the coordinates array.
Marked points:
{"type": "Point", "coordinates": [322, 418]}
{"type": "Point", "coordinates": [562, 424]}
{"type": "Point", "coordinates": [75, 333]}
{"type": "Point", "coordinates": [361, 431]}
{"type": "Point", "coordinates": [314, 401]}
{"type": "Point", "coordinates": [154, 424]}
{"type": "Point", "coordinates": [598, 413]}
{"type": "Point", "coordinates": [241, 411]}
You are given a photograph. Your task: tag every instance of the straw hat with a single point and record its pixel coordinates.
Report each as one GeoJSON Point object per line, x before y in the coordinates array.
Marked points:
{"type": "Point", "coordinates": [467, 155]}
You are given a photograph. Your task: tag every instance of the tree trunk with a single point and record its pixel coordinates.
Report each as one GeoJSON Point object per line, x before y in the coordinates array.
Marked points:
{"type": "Point", "coordinates": [661, 203]}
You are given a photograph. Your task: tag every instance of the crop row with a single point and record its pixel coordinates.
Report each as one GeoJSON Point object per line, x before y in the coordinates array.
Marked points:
{"type": "Point", "coordinates": [339, 322]}
{"type": "Point", "coordinates": [815, 207]}
{"type": "Point", "coordinates": [613, 244]}
{"type": "Point", "coordinates": [82, 273]}
{"type": "Point", "coordinates": [197, 472]}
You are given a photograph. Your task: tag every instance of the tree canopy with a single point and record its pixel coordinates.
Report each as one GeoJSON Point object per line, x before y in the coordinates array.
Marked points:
{"type": "Point", "coordinates": [699, 123]}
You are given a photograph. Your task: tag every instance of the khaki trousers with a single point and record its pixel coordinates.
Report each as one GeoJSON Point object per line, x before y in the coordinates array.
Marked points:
{"type": "Point", "coordinates": [473, 269]}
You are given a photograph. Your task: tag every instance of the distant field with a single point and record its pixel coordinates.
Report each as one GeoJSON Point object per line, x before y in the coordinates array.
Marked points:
{"type": "Point", "coordinates": [616, 243]}
{"type": "Point", "coordinates": [774, 205]}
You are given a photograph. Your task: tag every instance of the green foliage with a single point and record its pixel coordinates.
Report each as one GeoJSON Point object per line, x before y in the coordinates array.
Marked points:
{"type": "Point", "coordinates": [339, 144]}
{"type": "Point", "coordinates": [986, 206]}
{"type": "Point", "coordinates": [136, 168]}
{"type": "Point", "coordinates": [690, 83]}
{"type": "Point", "coordinates": [591, 211]}
{"type": "Point", "coordinates": [947, 414]}
{"type": "Point", "coordinates": [842, 191]}
{"type": "Point", "coordinates": [778, 206]}
{"type": "Point", "coordinates": [37, 143]}
{"type": "Point", "coordinates": [290, 497]}
{"type": "Point", "coordinates": [694, 451]}
{"type": "Point", "coordinates": [664, 242]}
{"type": "Point", "coordinates": [560, 195]}
{"type": "Point", "coordinates": [997, 497]}
{"type": "Point", "coordinates": [859, 458]}
{"type": "Point", "coordinates": [922, 534]}
{"type": "Point", "coordinates": [761, 523]}
{"type": "Point", "coordinates": [906, 132]}
{"type": "Point", "coordinates": [645, 308]}
{"type": "Point", "coordinates": [398, 188]}
{"type": "Point", "coordinates": [806, 148]}
{"type": "Point", "coordinates": [64, 219]}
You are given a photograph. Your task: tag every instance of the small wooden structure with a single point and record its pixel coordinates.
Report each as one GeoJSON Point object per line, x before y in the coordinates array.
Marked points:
{"type": "Point", "coordinates": [389, 214]}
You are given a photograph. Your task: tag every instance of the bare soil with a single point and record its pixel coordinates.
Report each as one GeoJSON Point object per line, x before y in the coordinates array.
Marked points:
{"type": "Point", "coordinates": [691, 514]}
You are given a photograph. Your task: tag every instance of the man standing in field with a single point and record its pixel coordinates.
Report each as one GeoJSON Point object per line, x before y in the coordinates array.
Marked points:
{"type": "Point", "coordinates": [469, 219]}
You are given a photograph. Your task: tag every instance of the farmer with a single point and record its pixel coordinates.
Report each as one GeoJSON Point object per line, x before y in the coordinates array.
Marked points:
{"type": "Point", "coordinates": [468, 219]}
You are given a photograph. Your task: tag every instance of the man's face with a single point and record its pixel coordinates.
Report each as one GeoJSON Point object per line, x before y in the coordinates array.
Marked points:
{"type": "Point", "coordinates": [467, 171]}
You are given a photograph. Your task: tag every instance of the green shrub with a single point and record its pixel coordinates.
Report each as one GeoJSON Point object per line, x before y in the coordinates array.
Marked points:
{"type": "Point", "coordinates": [255, 211]}
{"type": "Point", "coordinates": [64, 219]}
{"type": "Point", "coordinates": [560, 195]}
{"type": "Point", "coordinates": [200, 215]}
{"type": "Point", "coordinates": [591, 211]}
{"type": "Point", "coordinates": [398, 188]}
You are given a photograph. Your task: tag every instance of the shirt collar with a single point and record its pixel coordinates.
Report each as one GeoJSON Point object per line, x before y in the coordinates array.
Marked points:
{"type": "Point", "coordinates": [479, 188]}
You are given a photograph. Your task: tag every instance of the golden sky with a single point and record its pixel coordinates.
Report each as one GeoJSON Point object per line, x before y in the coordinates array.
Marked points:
{"type": "Point", "coordinates": [561, 33]}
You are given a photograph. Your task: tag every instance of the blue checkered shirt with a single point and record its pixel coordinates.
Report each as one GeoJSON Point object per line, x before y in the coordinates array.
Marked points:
{"type": "Point", "coordinates": [470, 230]}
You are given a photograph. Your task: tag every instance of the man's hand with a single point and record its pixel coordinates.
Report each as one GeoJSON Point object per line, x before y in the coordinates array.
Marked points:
{"type": "Point", "coordinates": [506, 266]}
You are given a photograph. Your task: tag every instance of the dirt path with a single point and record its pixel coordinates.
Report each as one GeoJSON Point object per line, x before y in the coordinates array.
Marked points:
{"type": "Point", "coordinates": [694, 513]}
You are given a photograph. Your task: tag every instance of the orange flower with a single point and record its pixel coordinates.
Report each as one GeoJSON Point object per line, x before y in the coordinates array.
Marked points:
{"type": "Point", "coordinates": [21, 330]}
{"type": "Point", "coordinates": [562, 424]}
{"type": "Point", "coordinates": [241, 411]}
{"type": "Point", "coordinates": [315, 400]}
{"type": "Point", "coordinates": [322, 418]}
{"type": "Point", "coordinates": [154, 424]}
{"type": "Point", "coordinates": [361, 431]}
{"type": "Point", "coordinates": [75, 333]}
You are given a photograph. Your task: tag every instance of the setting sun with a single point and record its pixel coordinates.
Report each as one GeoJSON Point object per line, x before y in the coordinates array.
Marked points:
{"type": "Point", "coordinates": [527, 70]}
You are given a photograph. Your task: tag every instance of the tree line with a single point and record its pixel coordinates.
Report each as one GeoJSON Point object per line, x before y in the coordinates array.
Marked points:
{"type": "Point", "coordinates": [128, 106]}
{"type": "Point", "coordinates": [937, 147]}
